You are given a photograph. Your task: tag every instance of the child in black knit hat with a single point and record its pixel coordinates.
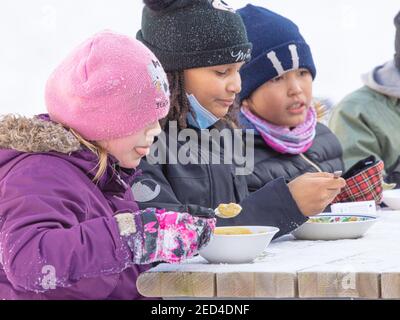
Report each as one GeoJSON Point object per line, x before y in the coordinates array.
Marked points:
{"type": "Point", "coordinates": [202, 44]}
{"type": "Point", "coordinates": [186, 35]}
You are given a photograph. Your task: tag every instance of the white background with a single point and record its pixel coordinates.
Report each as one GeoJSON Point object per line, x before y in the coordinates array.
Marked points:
{"type": "Point", "coordinates": [347, 38]}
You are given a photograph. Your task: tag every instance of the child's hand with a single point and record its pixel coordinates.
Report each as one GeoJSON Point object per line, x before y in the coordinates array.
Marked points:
{"type": "Point", "coordinates": [313, 192]}
{"type": "Point", "coordinates": [168, 236]}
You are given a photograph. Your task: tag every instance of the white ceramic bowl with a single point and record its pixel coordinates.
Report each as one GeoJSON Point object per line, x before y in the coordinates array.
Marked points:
{"type": "Point", "coordinates": [242, 248]}
{"type": "Point", "coordinates": [335, 230]}
{"type": "Point", "coordinates": [392, 198]}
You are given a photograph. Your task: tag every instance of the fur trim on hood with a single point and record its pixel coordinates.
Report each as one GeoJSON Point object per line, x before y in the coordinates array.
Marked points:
{"type": "Point", "coordinates": [35, 135]}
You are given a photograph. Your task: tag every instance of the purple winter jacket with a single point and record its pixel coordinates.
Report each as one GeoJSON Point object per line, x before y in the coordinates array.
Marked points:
{"type": "Point", "coordinates": [58, 236]}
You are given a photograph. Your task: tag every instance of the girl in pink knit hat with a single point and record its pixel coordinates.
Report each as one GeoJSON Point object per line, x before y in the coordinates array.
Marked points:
{"type": "Point", "coordinates": [69, 226]}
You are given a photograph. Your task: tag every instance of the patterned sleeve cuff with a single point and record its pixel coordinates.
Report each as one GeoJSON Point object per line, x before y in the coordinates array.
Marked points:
{"type": "Point", "coordinates": [126, 224]}
{"type": "Point", "coordinates": [139, 230]}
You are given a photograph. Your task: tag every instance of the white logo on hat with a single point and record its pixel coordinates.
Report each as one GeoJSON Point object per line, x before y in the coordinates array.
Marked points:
{"type": "Point", "coordinates": [158, 76]}
{"type": "Point", "coordinates": [295, 56]}
{"type": "Point", "coordinates": [222, 5]}
{"type": "Point", "coordinates": [278, 65]}
{"type": "Point", "coordinates": [241, 56]}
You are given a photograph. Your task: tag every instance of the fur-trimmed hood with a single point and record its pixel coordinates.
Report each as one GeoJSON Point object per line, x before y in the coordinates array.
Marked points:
{"type": "Point", "coordinates": [22, 137]}
{"type": "Point", "coordinates": [37, 134]}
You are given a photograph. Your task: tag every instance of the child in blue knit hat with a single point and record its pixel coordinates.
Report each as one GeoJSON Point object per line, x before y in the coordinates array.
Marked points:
{"type": "Point", "coordinates": [276, 101]}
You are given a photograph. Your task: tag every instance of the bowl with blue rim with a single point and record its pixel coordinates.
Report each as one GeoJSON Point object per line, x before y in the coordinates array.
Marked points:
{"type": "Point", "coordinates": [329, 226]}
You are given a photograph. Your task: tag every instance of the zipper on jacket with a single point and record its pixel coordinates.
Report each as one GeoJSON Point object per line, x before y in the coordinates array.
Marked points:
{"type": "Point", "coordinates": [200, 153]}
{"type": "Point", "coordinates": [310, 162]}
{"type": "Point", "coordinates": [119, 179]}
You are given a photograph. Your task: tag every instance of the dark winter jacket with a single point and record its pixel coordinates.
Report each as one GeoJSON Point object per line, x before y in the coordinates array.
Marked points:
{"type": "Point", "coordinates": [193, 187]}
{"type": "Point", "coordinates": [325, 155]}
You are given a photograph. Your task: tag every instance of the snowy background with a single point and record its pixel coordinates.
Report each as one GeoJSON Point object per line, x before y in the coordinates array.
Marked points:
{"type": "Point", "coordinates": [347, 38]}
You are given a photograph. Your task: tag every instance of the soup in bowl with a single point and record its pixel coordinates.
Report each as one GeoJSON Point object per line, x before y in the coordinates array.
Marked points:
{"type": "Point", "coordinates": [238, 244]}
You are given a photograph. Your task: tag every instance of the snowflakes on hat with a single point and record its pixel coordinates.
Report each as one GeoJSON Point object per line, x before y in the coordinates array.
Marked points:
{"type": "Point", "coordinates": [221, 5]}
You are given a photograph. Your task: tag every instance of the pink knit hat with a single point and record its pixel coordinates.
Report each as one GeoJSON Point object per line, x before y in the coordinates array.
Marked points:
{"type": "Point", "coordinates": [109, 87]}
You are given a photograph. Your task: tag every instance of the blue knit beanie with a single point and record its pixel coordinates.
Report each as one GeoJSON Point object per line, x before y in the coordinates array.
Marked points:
{"type": "Point", "coordinates": [278, 47]}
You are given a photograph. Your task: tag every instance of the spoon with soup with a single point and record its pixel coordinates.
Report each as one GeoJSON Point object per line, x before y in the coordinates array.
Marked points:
{"type": "Point", "coordinates": [227, 211]}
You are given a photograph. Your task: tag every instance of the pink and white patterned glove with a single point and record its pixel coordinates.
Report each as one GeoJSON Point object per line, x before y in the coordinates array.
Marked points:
{"type": "Point", "coordinates": [159, 235]}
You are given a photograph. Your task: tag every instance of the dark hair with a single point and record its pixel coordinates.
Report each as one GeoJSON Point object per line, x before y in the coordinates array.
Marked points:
{"type": "Point", "coordinates": [180, 106]}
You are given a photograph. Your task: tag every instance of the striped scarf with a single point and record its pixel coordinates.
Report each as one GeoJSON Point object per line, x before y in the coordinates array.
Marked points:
{"type": "Point", "coordinates": [282, 139]}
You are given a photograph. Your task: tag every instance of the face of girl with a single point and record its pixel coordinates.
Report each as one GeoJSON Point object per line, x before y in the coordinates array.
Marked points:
{"type": "Point", "coordinates": [130, 150]}
{"type": "Point", "coordinates": [284, 100]}
{"type": "Point", "coordinates": [214, 87]}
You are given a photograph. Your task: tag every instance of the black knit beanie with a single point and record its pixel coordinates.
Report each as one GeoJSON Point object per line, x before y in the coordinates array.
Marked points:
{"type": "Point", "coordinates": [186, 34]}
{"type": "Point", "coordinates": [397, 41]}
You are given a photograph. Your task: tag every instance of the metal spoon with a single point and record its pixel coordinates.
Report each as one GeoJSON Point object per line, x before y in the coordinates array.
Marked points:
{"type": "Point", "coordinates": [337, 174]}
{"type": "Point", "coordinates": [227, 211]}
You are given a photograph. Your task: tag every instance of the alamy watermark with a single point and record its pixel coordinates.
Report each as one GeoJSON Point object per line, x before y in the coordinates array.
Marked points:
{"type": "Point", "coordinates": [49, 279]}
{"type": "Point", "coordinates": [189, 146]}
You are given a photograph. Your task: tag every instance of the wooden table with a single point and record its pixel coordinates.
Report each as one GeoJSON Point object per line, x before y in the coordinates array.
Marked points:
{"type": "Point", "coordinates": [368, 267]}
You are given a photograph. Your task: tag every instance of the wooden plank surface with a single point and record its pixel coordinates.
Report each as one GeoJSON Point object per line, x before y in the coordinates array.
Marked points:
{"type": "Point", "coordinates": [339, 285]}
{"type": "Point", "coordinates": [390, 283]}
{"type": "Point", "coordinates": [362, 268]}
{"type": "Point", "coordinates": [256, 285]}
{"type": "Point", "coordinates": [276, 285]}
{"type": "Point", "coordinates": [176, 284]}
{"type": "Point", "coordinates": [236, 285]}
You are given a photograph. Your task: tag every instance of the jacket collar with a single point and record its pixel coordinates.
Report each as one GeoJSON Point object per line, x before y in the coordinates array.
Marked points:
{"type": "Point", "coordinates": [41, 135]}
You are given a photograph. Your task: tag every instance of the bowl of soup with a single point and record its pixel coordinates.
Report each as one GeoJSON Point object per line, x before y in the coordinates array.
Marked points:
{"type": "Point", "coordinates": [392, 198]}
{"type": "Point", "coordinates": [335, 227]}
{"type": "Point", "coordinates": [239, 244]}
